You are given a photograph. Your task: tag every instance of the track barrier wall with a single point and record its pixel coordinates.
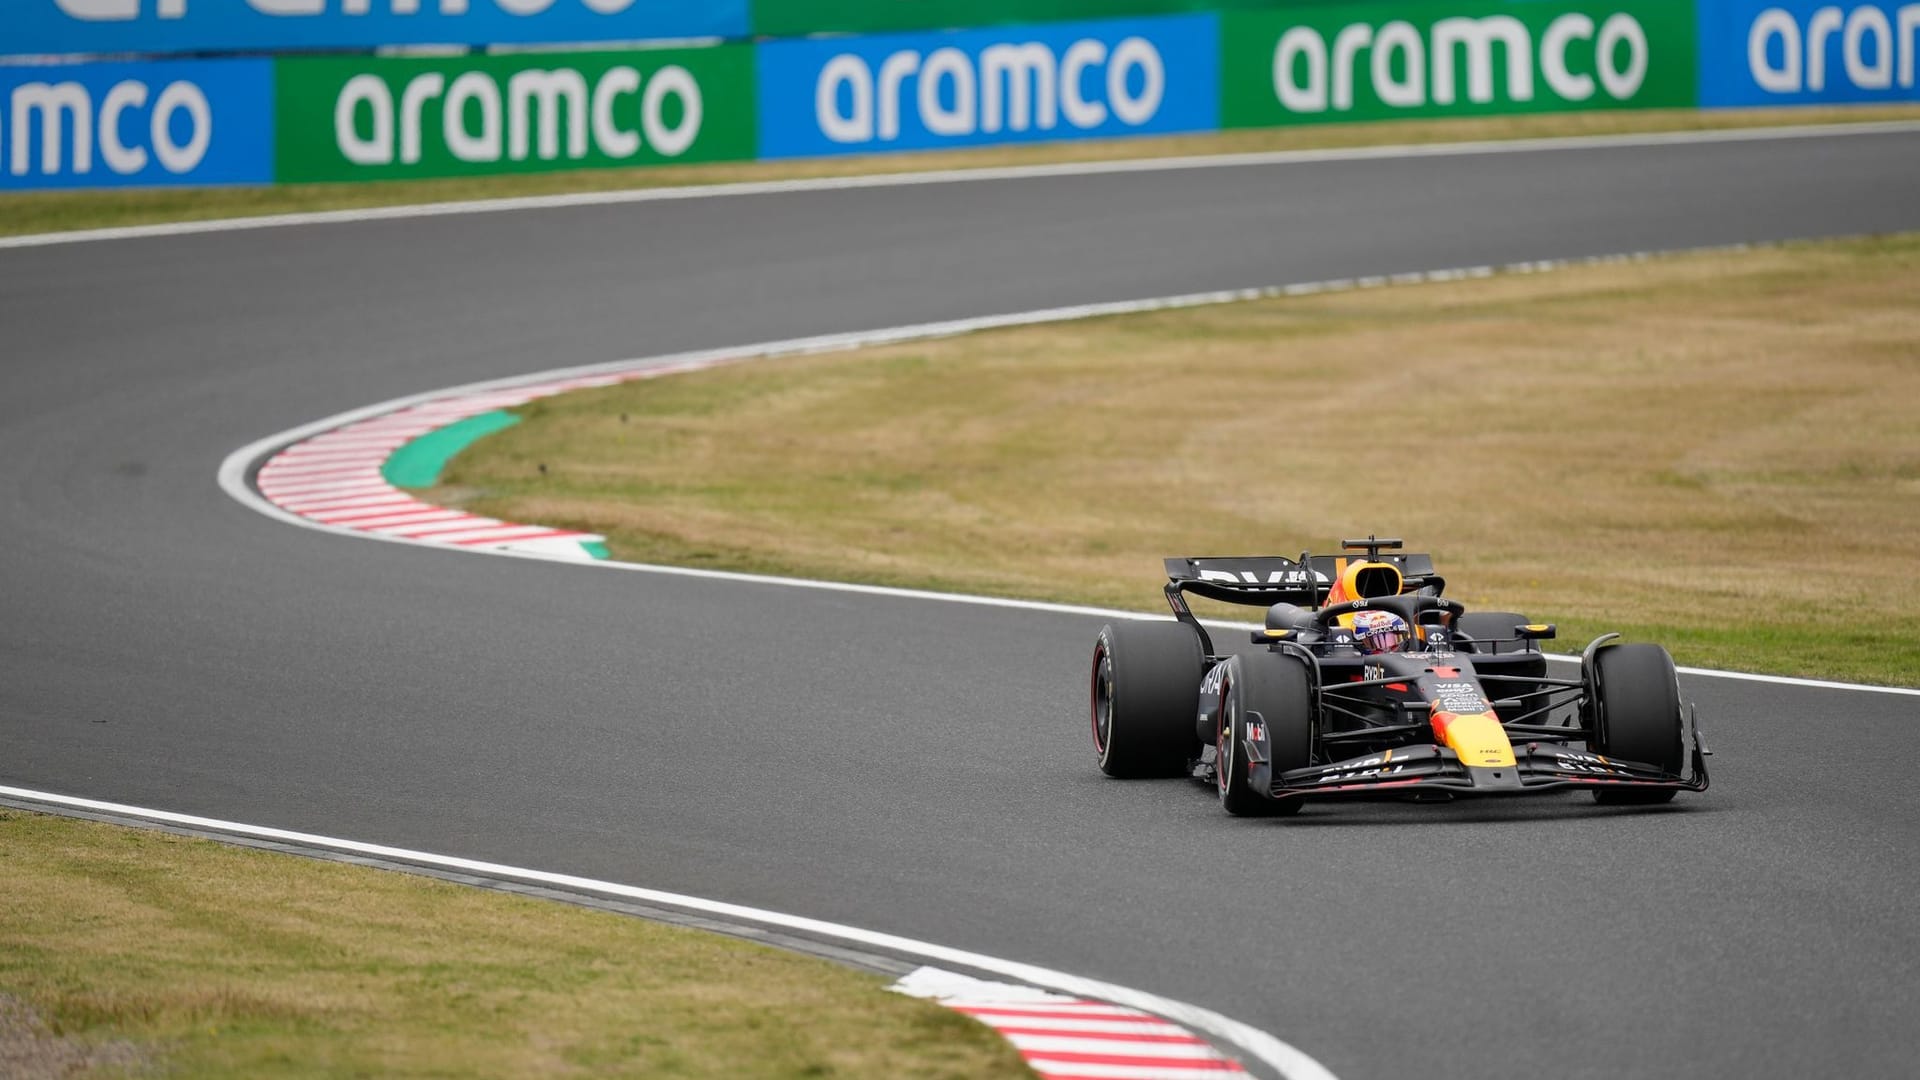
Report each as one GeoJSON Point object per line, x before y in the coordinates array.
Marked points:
{"type": "Point", "coordinates": [1239, 64]}
{"type": "Point", "coordinates": [148, 124]}
{"type": "Point", "coordinates": [367, 118]}
{"type": "Point", "coordinates": [796, 18]}
{"type": "Point", "coordinates": [203, 26]}
{"type": "Point", "coordinates": [1001, 85]}
{"type": "Point", "coordinates": [1374, 62]}
{"type": "Point", "coordinates": [1805, 52]}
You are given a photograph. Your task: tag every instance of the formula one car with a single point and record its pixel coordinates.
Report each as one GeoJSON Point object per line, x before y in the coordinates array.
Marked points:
{"type": "Point", "coordinates": [1370, 683]}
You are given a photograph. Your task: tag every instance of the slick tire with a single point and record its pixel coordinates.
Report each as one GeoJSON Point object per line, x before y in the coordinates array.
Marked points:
{"type": "Point", "coordinates": [1492, 631]}
{"type": "Point", "coordinates": [1635, 715]}
{"type": "Point", "coordinates": [1146, 689]}
{"type": "Point", "coordinates": [1276, 688]}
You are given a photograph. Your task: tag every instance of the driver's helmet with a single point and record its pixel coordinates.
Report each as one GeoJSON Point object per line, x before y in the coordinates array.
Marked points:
{"type": "Point", "coordinates": [1380, 631]}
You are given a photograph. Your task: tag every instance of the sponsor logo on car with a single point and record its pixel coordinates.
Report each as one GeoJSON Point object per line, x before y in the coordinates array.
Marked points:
{"type": "Point", "coordinates": [1358, 773]}
{"type": "Point", "coordinates": [1273, 577]}
{"type": "Point", "coordinates": [1459, 696]}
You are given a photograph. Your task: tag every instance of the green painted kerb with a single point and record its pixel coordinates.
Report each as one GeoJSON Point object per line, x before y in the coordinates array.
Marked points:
{"type": "Point", "coordinates": [418, 464]}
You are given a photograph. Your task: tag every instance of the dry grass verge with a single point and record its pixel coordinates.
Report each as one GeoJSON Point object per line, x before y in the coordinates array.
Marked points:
{"type": "Point", "coordinates": [57, 211]}
{"type": "Point", "coordinates": [1720, 452]}
{"type": "Point", "coordinates": [131, 952]}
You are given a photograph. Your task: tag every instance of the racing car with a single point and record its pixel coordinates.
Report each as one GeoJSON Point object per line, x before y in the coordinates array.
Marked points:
{"type": "Point", "coordinates": [1365, 681]}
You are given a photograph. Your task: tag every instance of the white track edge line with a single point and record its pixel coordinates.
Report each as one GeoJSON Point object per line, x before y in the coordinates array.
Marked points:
{"type": "Point", "coordinates": [233, 472]}
{"type": "Point", "coordinates": [1281, 1056]}
{"type": "Point", "coordinates": [960, 176]}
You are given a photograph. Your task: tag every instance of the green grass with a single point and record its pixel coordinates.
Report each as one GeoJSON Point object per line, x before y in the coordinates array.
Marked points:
{"type": "Point", "coordinates": [59, 211]}
{"type": "Point", "coordinates": [140, 953]}
{"type": "Point", "coordinates": [1717, 452]}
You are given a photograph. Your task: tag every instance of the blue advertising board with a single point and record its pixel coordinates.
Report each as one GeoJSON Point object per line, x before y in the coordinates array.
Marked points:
{"type": "Point", "coordinates": [862, 95]}
{"type": "Point", "coordinates": [136, 125]}
{"type": "Point", "coordinates": [1793, 52]}
{"type": "Point", "coordinates": [162, 26]}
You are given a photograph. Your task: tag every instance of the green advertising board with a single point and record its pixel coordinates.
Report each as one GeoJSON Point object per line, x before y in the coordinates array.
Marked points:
{"type": "Point", "coordinates": [1473, 58]}
{"type": "Point", "coordinates": [368, 118]}
{"type": "Point", "coordinates": [793, 18]}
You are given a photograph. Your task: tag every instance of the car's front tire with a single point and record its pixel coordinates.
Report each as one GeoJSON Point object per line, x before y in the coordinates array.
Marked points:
{"type": "Point", "coordinates": [1634, 713]}
{"type": "Point", "coordinates": [1278, 690]}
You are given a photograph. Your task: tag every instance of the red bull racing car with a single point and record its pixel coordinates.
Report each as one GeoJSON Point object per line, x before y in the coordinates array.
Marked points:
{"type": "Point", "coordinates": [1367, 682]}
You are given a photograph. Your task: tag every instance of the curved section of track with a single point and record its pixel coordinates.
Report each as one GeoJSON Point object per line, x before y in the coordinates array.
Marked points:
{"type": "Point", "coordinates": [874, 760]}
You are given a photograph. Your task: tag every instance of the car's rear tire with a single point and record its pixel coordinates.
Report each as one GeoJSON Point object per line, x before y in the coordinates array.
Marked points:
{"type": "Point", "coordinates": [1492, 631]}
{"type": "Point", "coordinates": [1634, 713]}
{"type": "Point", "coordinates": [1277, 688]}
{"type": "Point", "coordinates": [1146, 689]}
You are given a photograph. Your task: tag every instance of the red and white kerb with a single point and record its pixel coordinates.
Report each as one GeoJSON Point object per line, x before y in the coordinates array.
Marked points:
{"type": "Point", "coordinates": [335, 478]}
{"type": "Point", "coordinates": [1068, 1038]}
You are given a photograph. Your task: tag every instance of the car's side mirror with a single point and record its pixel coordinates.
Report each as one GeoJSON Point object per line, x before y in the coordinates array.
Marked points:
{"type": "Point", "coordinates": [1537, 631]}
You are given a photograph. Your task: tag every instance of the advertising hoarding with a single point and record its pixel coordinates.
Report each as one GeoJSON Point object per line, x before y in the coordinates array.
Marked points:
{"type": "Point", "coordinates": [797, 18]}
{"type": "Point", "coordinates": [1476, 57]}
{"type": "Point", "coordinates": [997, 85]}
{"type": "Point", "coordinates": [1800, 52]}
{"type": "Point", "coordinates": [367, 118]}
{"type": "Point", "coordinates": [167, 26]}
{"type": "Point", "coordinates": [136, 125]}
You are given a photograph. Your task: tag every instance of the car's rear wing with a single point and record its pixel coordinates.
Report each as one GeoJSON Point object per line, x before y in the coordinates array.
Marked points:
{"type": "Point", "coordinates": [1265, 580]}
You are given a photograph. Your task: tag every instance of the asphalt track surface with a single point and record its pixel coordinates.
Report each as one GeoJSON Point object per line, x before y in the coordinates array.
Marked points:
{"type": "Point", "coordinates": [912, 767]}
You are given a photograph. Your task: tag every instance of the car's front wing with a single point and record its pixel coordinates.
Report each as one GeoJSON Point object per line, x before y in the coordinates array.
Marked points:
{"type": "Point", "coordinates": [1538, 766]}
